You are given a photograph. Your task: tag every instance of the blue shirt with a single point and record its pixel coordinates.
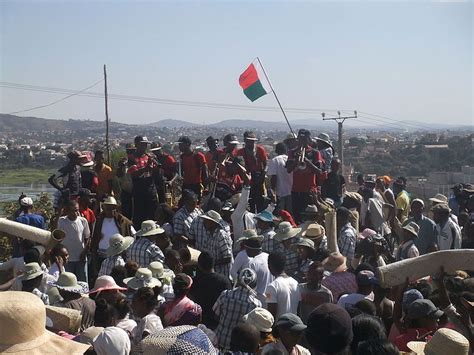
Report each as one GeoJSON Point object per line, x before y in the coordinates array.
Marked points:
{"type": "Point", "coordinates": [31, 219]}
{"type": "Point", "coordinates": [427, 234]}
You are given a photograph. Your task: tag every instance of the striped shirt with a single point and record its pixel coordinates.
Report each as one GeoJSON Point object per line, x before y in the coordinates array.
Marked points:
{"type": "Point", "coordinates": [109, 263]}
{"type": "Point", "coordinates": [143, 252]}
{"type": "Point", "coordinates": [182, 220]}
{"type": "Point", "coordinates": [220, 247]}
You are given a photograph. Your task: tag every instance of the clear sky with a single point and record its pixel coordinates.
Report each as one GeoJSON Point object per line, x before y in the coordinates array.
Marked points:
{"type": "Point", "coordinates": [408, 60]}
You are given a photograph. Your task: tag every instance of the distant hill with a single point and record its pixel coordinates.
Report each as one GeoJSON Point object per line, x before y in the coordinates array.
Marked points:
{"type": "Point", "coordinates": [12, 123]}
{"type": "Point", "coordinates": [170, 123]}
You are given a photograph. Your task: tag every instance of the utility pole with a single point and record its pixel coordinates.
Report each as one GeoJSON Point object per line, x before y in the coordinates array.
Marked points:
{"type": "Point", "coordinates": [340, 120]}
{"type": "Point", "coordinates": [107, 147]}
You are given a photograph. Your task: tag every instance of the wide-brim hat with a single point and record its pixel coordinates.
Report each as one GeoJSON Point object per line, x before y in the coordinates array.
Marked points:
{"type": "Point", "coordinates": [305, 242]}
{"type": "Point", "coordinates": [265, 216]}
{"type": "Point", "coordinates": [31, 271]}
{"type": "Point", "coordinates": [23, 319]}
{"type": "Point", "coordinates": [261, 318]}
{"type": "Point", "coordinates": [110, 200]}
{"type": "Point", "coordinates": [335, 262]}
{"type": "Point", "coordinates": [64, 319]}
{"type": "Point", "coordinates": [286, 231]}
{"type": "Point", "coordinates": [106, 283]}
{"type": "Point", "coordinates": [118, 244]}
{"type": "Point", "coordinates": [149, 228]}
{"type": "Point", "coordinates": [184, 339]}
{"type": "Point", "coordinates": [412, 227]}
{"type": "Point", "coordinates": [439, 198]}
{"type": "Point", "coordinates": [441, 207]}
{"type": "Point", "coordinates": [67, 281]}
{"type": "Point", "coordinates": [310, 210]}
{"type": "Point", "coordinates": [324, 137]}
{"type": "Point", "coordinates": [314, 231]}
{"type": "Point", "coordinates": [212, 215]}
{"type": "Point", "coordinates": [251, 136]}
{"type": "Point", "coordinates": [189, 256]}
{"type": "Point", "coordinates": [444, 341]}
{"type": "Point", "coordinates": [143, 278]}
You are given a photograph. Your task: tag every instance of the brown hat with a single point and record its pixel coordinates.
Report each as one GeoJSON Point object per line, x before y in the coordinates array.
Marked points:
{"type": "Point", "coordinates": [441, 207]}
{"type": "Point", "coordinates": [23, 320]}
{"type": "Point", "coordinates": [335, 262]}
{"type": "Point", "coordinates": [314, 231]}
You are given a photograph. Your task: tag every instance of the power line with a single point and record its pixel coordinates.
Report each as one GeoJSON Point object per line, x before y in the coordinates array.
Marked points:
{"type": "Point", "coordinates": [57, 101]}
{"type": "Point", "coordinates": [384, 120]}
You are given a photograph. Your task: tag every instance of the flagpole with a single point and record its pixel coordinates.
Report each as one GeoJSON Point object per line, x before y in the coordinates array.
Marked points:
{"type": "Point", "coordinates": [107, 147]}
{"type": "Point", "coordinates": [274, 93]}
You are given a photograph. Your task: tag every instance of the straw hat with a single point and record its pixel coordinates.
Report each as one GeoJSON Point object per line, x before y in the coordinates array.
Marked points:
{"type": "Point", "coordinates": [335, 262]}
{"type": "Point", "coordinates": [286, 231]}
{"type": "Point", "coordinates": [184, 339]}
{"type": "Point", "coordinates": [110, 200]}
{"type": "Point", "coordinates": [441, 207]}
{"type": "Point", "coordinates": [64, 319]}
{"type": "Point", "coordinates": [143, 278]}
{"type": "Point", "coordinates": [23, 319]}
{"type": "Point", "coordinates": [32, 271]}
{"type": "Point", "coordinates": [310, 209]}
{"type": "Point", "coordinates": [439, 198]}
{"type": "Point", "coordinates": [314, 231]}
{"type": "Point", "coordinates": [106, 283]}
{"type": "Point", "coordinates": [189, 256]}
{"type": "Point", "coordinates": [305, 242]}
{"type": "Point", "coordinates": [149, 228]}
{"type": "Point", "coordinates": [67, 281]}
{"type": "Point", "coordinates": [413, 228]}
{"type": "Point", "coordinates": [118, 244]}
{"type": "Point", "coordinates": [212, 215]}
{"type": "Point", "coordinates": [444, 341]}
{"type": "Point", "coordinates": [260, 318]}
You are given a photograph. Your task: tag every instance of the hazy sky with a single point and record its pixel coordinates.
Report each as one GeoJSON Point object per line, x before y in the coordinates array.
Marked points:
{"type": "Point", "coordinates": [406, 60]}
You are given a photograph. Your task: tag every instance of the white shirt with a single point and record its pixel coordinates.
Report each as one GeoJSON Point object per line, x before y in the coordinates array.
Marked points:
{"type": "Point", "coordinates": [109, 228]}
{"type": "Point", "coordinates": [240, 262]}
{"type": "Point", "coordinates": [276, 167]}
{"type": "Point", "coordinates": [54, 271]}
{"type": "Point", "coordinates": [284, 291]}
{"type": "Point", "coordinates": [150, 324]}
{"type": "Point", "coordinates": [259, 264]}
{"type": "Point", "coordinates": [77, 232]}
{"type": "Point", "coordinates": [241, 218]}
{"type": "Point", "coordinates": [346, 301]}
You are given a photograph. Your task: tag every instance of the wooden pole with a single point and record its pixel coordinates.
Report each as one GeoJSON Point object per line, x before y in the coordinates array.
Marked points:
{"type": "Point", "coordinates": [107, 147]}
{"type": "Point", "coordinates": [276, 97]}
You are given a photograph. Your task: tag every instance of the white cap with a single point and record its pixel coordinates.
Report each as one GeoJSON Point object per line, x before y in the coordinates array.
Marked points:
{"type": "Point", "coordinates": [26, 201]}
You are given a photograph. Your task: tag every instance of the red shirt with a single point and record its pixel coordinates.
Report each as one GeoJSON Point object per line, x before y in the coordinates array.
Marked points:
{"type": "Point", "coordinates": [211, 159]}
{"type": "Point", "coordinates": [255, 162]}
{"type": "Point", "coordinates": [233, 182]}
{"type": "Point", "coordinates": [191, 165]}
{"type": "Point", "coordinates": [168, 164]}
{"type": "Point", "coordinates": [412, 334]}
{"type": "Point", "coordinates": [140, 162]}
{"type": "Point", "coordinates": [305, 180]}
{"type": "Point", "coordinates": [89, 215]}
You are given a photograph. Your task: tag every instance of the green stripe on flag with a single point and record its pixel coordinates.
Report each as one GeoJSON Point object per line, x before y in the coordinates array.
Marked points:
{"type": "Point", "coordinates": [254, 91]}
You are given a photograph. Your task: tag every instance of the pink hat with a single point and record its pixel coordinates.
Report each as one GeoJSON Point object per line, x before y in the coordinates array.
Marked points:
{"type": "Point", "coordinates": [106, 283]}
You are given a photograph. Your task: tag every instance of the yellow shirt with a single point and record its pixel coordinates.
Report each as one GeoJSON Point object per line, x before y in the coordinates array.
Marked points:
{"type": "Point", "coordinates": [403, 204]}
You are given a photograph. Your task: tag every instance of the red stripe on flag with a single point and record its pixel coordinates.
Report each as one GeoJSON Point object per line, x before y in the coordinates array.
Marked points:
{"type": "Point", "coordinates": [248, 77]}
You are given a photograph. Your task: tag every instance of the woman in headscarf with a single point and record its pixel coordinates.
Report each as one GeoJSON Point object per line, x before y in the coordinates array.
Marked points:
{"type": "Point", "coordinates": [181, 310]}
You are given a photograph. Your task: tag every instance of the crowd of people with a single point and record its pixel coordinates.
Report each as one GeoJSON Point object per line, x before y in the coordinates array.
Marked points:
{"type": "Point", "coordinates": [233, 252]}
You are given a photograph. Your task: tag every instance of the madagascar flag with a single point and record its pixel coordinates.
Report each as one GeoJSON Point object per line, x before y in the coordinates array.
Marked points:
{"type": "Point", "coordinates": [250, 81]}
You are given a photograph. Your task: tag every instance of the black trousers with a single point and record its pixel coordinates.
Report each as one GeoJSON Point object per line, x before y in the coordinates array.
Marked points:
{"type": "Point", "coordinates": [127, 204]}
{"type": "Point", "coordinates": [144, 207]}
{"type": "Point", "coordinates": [299, 201]}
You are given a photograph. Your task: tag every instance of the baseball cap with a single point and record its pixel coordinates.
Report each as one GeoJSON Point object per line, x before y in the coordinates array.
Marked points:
{"type": "Point", "coordinates": [184, 140]}
{"type": "Point", "coordinates": [290, 321]}
{"type": "Point", "coordinates": [26, 201]}
{"type": "Point", "coordinates": [366, 278]}
{"type": "Point", "coordinates": [304, 133]}
{"type": "Point", "coordinates": [329, 328]}
{"type": "Point", "coordinates": [423, 309]}
{"type": "Point", "coordinates": [155, 147]}
{"type": "Point", "coordinates": [231, 139]}
{"type": "Point", "coordinates": [211, 139]}
{"type": "Point", "coordinates": [141, 139]}
{"type": "Point", "coordinates": [410, 296]}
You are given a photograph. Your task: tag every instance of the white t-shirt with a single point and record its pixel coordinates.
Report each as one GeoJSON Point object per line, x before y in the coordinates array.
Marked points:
{"type": "Point", "coordinates": [77, 232]}
{"type": "Point", "coordinates": [109, 228]}
{"type": "Point", "coordinates": [260, 265]}
{"type": "Point", "coordinates": [285, 292]}
{"type": "Point", "coordinates": [276, 167]}
{"type": "Point", "coordinates": [346, 301]}
{"type": "Point", "coordinates": [240, 262]}
{"type": "Point", "coordinates": [54, 271]}
{"type": "Point", "coordinates": [150, 324]}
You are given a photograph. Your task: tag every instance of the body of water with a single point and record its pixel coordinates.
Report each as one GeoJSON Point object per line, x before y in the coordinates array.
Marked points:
{"type": "Point", "coordinates": [11, 192]}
